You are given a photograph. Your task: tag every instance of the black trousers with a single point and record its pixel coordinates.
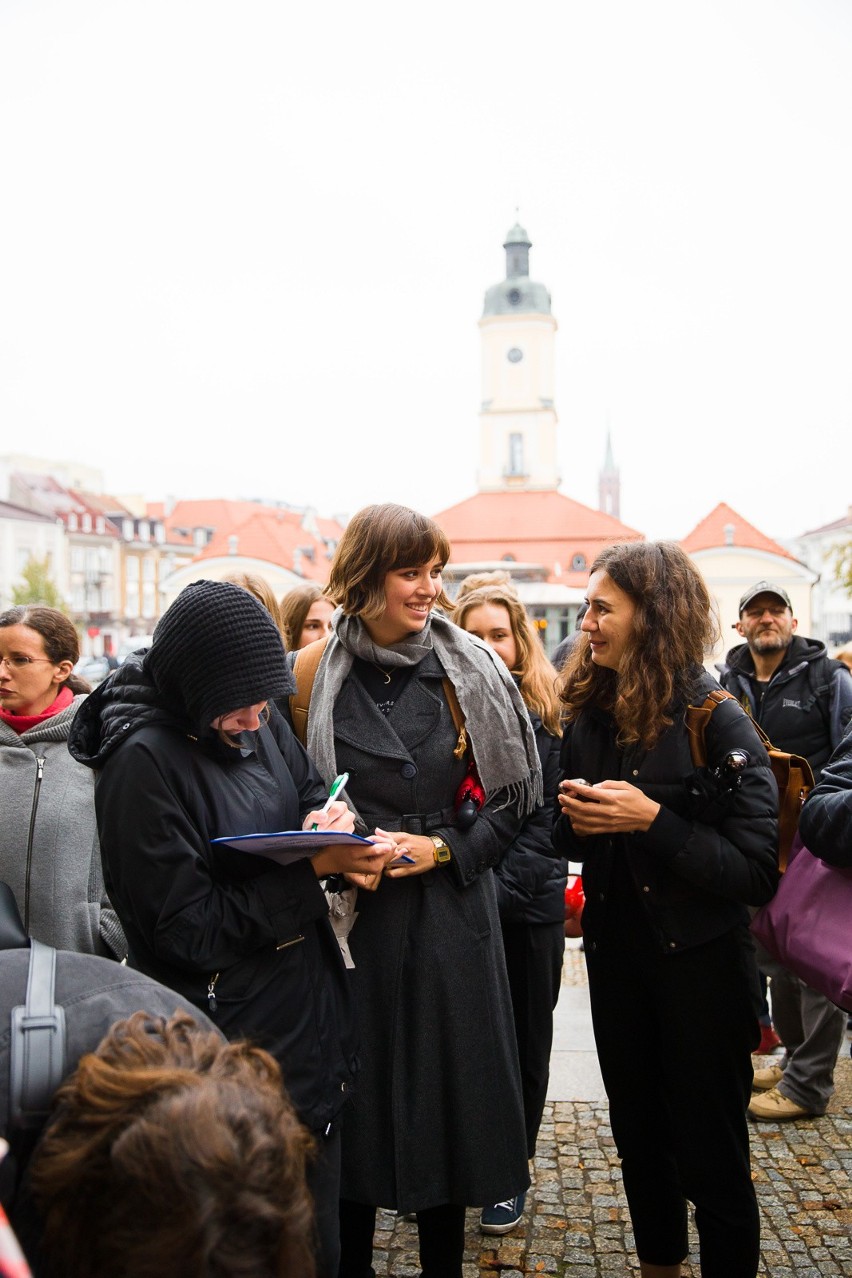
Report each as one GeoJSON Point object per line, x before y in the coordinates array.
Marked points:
{"type": "Point", "coordinates": [674, 1034]}
{"type": "Point", "coordinates": [324, 1183]}
{"type": "Point", "coordinates": [441, 1232]}
{"type": "Point", "coordinates": [534, 955]}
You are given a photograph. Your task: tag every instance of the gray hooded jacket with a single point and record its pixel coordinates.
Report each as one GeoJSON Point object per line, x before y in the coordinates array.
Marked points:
{"type": "Point", "coordinates": [49, 853]}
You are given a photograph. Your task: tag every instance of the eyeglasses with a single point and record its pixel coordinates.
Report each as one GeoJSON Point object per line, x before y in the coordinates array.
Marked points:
{"type": "Point", "coordinates": [21, 663]}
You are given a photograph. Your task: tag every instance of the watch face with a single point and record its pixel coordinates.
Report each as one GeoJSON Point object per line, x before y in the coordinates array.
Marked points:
{"type": "Point", "coordinates": [515, 356]}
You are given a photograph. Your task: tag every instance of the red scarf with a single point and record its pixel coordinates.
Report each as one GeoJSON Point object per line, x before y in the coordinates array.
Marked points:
{"type": "Point", "coordinates": [23, 722]}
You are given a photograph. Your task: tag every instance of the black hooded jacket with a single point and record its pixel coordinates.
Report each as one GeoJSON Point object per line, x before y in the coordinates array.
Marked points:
{"type": "Point", "coordinates": [806, 705]}
{"type": "Point", "coordinates": [244, 939]}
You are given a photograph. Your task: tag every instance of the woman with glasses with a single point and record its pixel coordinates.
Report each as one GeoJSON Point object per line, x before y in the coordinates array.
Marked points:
{"type": "Point", "coordinates": [49, 851]}
{"type": "Point", "coordinates": [188, 750]}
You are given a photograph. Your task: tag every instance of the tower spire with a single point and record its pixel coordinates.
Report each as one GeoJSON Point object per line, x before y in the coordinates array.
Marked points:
{"type": "Point", "coordinates": [609, 483]}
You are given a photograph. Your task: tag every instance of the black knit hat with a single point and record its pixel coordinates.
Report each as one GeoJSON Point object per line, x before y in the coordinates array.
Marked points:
{"type": "Point", "coordinates": [216, 649]}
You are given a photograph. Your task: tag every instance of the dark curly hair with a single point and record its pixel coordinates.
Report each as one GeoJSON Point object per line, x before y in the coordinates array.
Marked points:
{"type": "Point", "coordinates": [674, 626]}
{"type": "Point", "coordinates": [172, 1152]}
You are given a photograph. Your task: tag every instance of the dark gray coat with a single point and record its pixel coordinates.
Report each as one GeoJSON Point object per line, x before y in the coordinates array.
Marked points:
{"type": "Point", "coordinates": [438, 1116]}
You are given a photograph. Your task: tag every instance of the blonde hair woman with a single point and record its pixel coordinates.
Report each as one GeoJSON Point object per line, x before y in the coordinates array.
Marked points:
{"type": "Point", "coordinates": [305, 616]}
{"type": "Point", "coordinates": [530, 876]}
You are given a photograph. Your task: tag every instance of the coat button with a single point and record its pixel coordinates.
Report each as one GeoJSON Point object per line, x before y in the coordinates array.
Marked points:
{"type": "Point", "coordinates": [646, 888]}
{"type": "Point", "coordinates": [635, 772]}
{"type": "Point", "coordinates": [408, 770]}
{"type": "Point", "coordinates": [601, 896]}
{"type": "Point", "coordinates": [672, 945]}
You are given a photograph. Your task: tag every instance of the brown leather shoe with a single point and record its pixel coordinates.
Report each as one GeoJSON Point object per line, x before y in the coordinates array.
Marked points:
{"type": "Point", "coordinates": [776, 1107]}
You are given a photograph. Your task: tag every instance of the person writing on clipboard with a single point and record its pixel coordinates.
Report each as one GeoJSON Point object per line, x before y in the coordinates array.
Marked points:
{"type": "Point", "coordinates": [189, 748]}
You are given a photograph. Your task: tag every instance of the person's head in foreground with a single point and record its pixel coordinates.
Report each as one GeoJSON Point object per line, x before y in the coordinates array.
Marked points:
{"type": "Point", "coordinates": [171, 1152]}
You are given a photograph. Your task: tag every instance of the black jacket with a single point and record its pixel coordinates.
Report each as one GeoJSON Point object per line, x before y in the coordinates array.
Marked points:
{"type": "Point", "coordinates": [710, 852]}
{"type": "Point", "coordinates": [242, 938]}
{"type": "Point", "coordinates": [826, 821]}
{"type": "Point", "coordinates": [530, 879]}
{"type": "Point", "coordinates": [807, 703]}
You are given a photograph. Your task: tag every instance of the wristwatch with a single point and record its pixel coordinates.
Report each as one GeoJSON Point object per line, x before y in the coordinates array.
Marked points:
{"type": "Point", "coordinates": [442, 849]}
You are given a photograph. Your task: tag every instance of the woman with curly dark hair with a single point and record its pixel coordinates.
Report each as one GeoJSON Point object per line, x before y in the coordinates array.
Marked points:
{"type": "Point", "coordinates": [672, 857]}
{"type": "Point", "coordinates": [176, 1153]}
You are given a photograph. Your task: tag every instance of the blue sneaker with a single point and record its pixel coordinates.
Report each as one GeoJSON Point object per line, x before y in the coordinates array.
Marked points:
{"type": "Point", "coordinates": [502, 1217]}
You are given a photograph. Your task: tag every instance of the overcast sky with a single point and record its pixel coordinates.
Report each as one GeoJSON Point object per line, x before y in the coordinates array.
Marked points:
{"type": "Point", "coordinates": [244, 245]}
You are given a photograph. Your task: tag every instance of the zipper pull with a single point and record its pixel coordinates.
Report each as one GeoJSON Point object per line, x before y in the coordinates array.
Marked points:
{"type": "Point", "coordinates": [40, 768]}
{"type": "Point", "coordinates": [211, 994]}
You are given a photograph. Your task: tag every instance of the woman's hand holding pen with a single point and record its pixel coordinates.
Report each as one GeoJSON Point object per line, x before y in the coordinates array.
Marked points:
{"type": "Point", "coordinates": [418, 848]}
{"type": "Point", "coordinates": [358, 861]}
{"type": "Point", "coordinates": [335, 816]}
{"type": "Point", "coordinates": [610, 807]}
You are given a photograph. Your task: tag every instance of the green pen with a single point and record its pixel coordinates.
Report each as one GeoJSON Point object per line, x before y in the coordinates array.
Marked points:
{"type": "Point", "coordinates": [336, 786]}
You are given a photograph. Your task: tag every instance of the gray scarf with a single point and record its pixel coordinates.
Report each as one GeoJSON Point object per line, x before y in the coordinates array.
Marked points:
{"type": "Point", "coordinates": [496, 718]}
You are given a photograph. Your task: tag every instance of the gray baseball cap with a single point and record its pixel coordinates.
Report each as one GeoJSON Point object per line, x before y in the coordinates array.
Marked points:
{"type": "Point", "coordinates": [764, 588]}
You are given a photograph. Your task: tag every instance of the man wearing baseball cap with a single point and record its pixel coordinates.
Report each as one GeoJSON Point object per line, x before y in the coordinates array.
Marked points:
{"type": "Point", "coordinates": [803, 701]}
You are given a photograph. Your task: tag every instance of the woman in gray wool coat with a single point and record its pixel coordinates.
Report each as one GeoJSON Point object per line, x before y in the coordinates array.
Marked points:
{"type": "Point", "coordinates": [437, 1121]}
{"type": "Point", "coordinates": [49, 853]}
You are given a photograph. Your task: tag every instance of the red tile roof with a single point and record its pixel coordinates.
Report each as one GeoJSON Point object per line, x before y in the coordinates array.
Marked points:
{"type": "Point", "coordinates": [274, 536]}
{"type": "Point", "coordinates": [710, 534]}
{"type": "Point", "coordinates": [546, 528]}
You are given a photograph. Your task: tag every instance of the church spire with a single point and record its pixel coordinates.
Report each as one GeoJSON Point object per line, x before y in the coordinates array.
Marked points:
{"type": "Point", "coordinates": [609, 483]}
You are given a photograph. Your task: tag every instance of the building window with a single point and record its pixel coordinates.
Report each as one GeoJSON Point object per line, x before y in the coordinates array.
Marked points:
{"type": "Point", "coordinates": [72, 522]}
{"type": "Point", "coordinates": [99, 523]}
{"type": "Point", "coordinates": [87, 522]}
{"type": "Point", "coordinates": [516, 453]}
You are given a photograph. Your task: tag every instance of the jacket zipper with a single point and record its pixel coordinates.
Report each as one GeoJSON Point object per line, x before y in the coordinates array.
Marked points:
{"type": "Point", "coordinates": [39, 774]}
{"type": "Point", "coordinates": [212, 1003]}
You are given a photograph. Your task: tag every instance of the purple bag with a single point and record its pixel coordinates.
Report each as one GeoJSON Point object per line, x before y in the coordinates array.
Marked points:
{"type": "Point", "coordinates": [807, 925]}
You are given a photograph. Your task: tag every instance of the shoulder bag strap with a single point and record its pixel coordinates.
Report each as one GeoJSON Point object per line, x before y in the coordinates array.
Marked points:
{"type": "Point", "coordinates": [37, 1048]}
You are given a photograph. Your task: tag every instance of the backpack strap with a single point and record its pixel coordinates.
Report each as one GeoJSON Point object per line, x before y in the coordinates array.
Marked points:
{"type": "Point", "coordinates": [37, 1047]}
{"type": "Point", "coordinates": [697, 718]}
{"type": "Point", "coordinates": [305, 669]}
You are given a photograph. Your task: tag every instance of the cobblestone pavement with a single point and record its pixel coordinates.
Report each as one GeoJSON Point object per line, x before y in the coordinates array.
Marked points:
{"type": "Point", "coordinates": [576, 1224]}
